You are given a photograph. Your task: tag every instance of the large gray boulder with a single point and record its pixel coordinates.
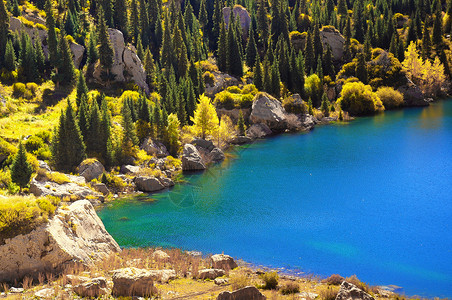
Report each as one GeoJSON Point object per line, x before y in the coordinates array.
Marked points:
{"type": "Point", "coordinates": [191, 159]}
{"type": "Point", "coordinates": [74, 234]}
{"type": "Point", "coordinates": [210, 273]}
{"type": "Point", "coordinates": [222, 261]}
{"type": "Point", "coordinates": [91, 169]}
{"type": "Point", "coordinates": [333, 38]}
{"type": "Point", "coordinates": [240, 140]}
{"type": "Point", "coordinates": [126, 62]}
{"type": "Point", "coordinates": [67, 189]}
{"type": "Point", "coordinates": [148, 184]}
{"type": "Point", "coordinates": [268, 110]}
{"type": "Point", "coordinates": [412, 94]}
{"type": "Point", "coordinates": [246, 293]}
{"type": "Point", "coordinates": [350, 291]}
{"type": "Point", "coordinates": [239, 12]}
{"type": "Point", "coordinates": [163, 276]}
{"type": "Point", "coordinates": [77, 53]}
{"type": "Point", "coordinates": [258, 131]}
{"type": "Point", "coordinates": [217, 155]}
{"type": "Point", "coordinates": [133, 282]}
{"type": "Point", "coordinates": [207, 145]}
{"type": "Point", "coordinates": [154, 148]}
{"type": "Point", "coordinates": [129, 169]}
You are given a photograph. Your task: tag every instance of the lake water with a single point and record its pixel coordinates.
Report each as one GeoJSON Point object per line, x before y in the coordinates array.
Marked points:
{"type": "Point", "coordinates": [371, 198]}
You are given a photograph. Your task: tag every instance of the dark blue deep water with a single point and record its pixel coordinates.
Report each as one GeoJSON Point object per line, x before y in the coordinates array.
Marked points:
{"type": "Point", "coordinates": [371, 198]}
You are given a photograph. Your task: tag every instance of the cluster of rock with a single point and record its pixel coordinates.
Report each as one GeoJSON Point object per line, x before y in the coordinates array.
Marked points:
{"type": "Point", "coordinates": [74, 234]}
{"type": "Point", "coordinates": [199, 153]}
{"type": "Point", "coordinates": [127, 66]}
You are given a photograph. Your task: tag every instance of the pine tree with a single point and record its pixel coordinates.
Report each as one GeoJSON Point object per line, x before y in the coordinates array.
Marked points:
{"type": "Point", "coordinates": [241, 124]}
{"type": "Point", "coordinates": [134, 21]}
{"type": "Point", "coordinates": [361, 68]}
{"type": "Point", "coordinates": [39, 55]}
{"type": "Point", "coordinates": [222, 49]}
{"type": "Point", "coordinates": [202, 17]}
{"type": "Point", "coordinates": [149, 67]}
{"type": "Point", "coordinates": [106, 144]}
{"type": "Point", "coordinates": [82, 89]}
{"type": "Point", "coordinates": [93, 140]}
{"type": "Point", "coordinates": [358, 22]}
{"type": "Point", "coordinates": [328, 66]}
{"type": "Point", "coordinates": [191, 100]}
{"type": "Point", "coordinates": [166, 53]}
{"type": "Point", "coordinates": [180, 50]}
{"type": "Point", "coordinates": [437, 35]}
{"type": "Point", "coordinates": [342, 7]}
{"type": "Point", "coordinates": [93, 54]}
{"type": "Point", "coordinates": [144, 23]}
{"type": "Point", "coordinates": [4, 27]}
{"type": "Point", "coordinates": [411, 36]}
{"type": "Point", "coordinates": [317, 43]}
{"type": "Point", "coordinates": [347, 44]}
{"type": "Point", "coordinates": [368, 45]}
{"type": "Point", "coordinates": [140, 51]}
{"type": "Point", "coordinates": [106, 52]}
{"type": "Point", "coordinates": [107, 8]}
{"type": "Point", "coordinates": [120, 19]}
{"type": "Point", "coordinates": [10, 57]}
{"type": "Point", "coordinates": [276, 80]}
{"type": "Point", "coordinates": [251, 50]}
{"type": "Point", "coordinates": [28, 59]}
{"type": "Point", "coordinates": [21, 169]}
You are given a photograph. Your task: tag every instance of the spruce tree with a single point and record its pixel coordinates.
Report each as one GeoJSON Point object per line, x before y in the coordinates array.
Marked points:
{"type": "Point", "coordinates": [52, 40]}
{"type": "Point", "coordinates": [144, 23]}
{"type": "Point", "coordinates": [10, 57]}
{"type": "Point", "coordinates": [134, 21]}
{"type": "Point", "coordinates": [342, 7]}
{"type": "Point", "coordinates": [167, 51]}
{"type": "Point", "coordinates": [325, 107]}
{"type": "Point", "coordinates": [202, 16]}
{"type": "Point", "coordinates": [222, 49]}
{"type": "Point", "coordinates": [149, 68]}
{"type": "Point", "coordinates": [234, 58]}
{"type": "Point", "coordinates": [129, 137]}
{"type": "Point", "coordinates": [94, 138]}
{"type": "Point", "coordinates": [92, 53]}
{"type": "Point", "coordinates": [83, 117]}
{"type": "Point", "coordinates": [275, 85]}
{"type": "Point", "coordinates": [82, 89]}
{"type": "Point", "coordinates": [39, 55]}
{"type": "Point", "coordinates": [180, 50]}
{"type": "Point", "coordinates": [68, 148]}
{"type": "Point", "coordinates": [262, 21]}
{"type": "Point", "coordinates": [120, 19]}
{"type": "Point", "coordinates": [411, 36]}
{"type": "Point", "coordinates": [251, 50]}
{"type": "Point", "coordinates": [358, 22]}
{"type": "Point", "coordinates": [66, 69]}
{"type": "Point", "coordinates": [361, 68]}
{"type": "Point", "coordinates": [21, 169]}
{"type": "Point", "coordinates": [140, 51]}
{"type": "Point", "coordinates": [15, 10]}
{"type": "Point", "coordinates": [317, 42]}
{"type": "Point", "coordinates": [347, 44]}
{"type": "Point", "coordinates": [106, 144]}
{"type": "Point", "coordinates": [426, 42]}
{"type": "Point", "coordinates": [309, 54]}
{"type": "Point", "coordinates": [106, 52]}
{"type": "Point", "coordinates": [328, 66]}
{"type": "Point", "coordinates": [4, 27]}
{"type": "Point", "coordinates": [191, 99]}
{"type": "Point", "coordinates": [258, 74]}
{"type": "Point", "coordinates": [437, 35]}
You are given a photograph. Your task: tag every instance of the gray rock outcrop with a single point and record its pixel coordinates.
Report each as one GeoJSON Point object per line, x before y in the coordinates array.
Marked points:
{"type": "Point", "coordinates": [246, 293]}
{"type": "Point", "coordinates": [148, 184]}
{"type": "Point", "coordinates": [74, 234]}
{"type": "Point", "coordinates": [239, 12]}
{"type": "Point", "coordinates": [412, 94]}
{"type": "Point", "coordinates": [240, 140]}
{"type": "Point", "coordinates": [222, 261]}
{"type": "Point", "coordinates": [127, 65]}
{"type": "Point", "coordinates": [191, 159]}
{"type": "Point", "coordinates": [101, 188]}
{"type": "Point", "coordinates": [217, 155]}
{"type": "Point", "coordinates": [222, 81]}
{"type": "Point", "coordinates": [91, 169]}
{"type": "Point", "coordinates": [160, 256]}
{"type": "Point", "coordinates": [210, 273]}
{"type": "Point", "coordinates": [268, 110]}
{"type": "Point", "coordinates": [207, 145]}
{"type": "Point", "coordinates": [133, 282]}
{"type": "Point", "coordinates": [68, 189]}
{"type": "Point", "coordinates": [154, 148]}
{"type": "Point", "coordinates": [77, 53]}
{"type": "Point", "coordinates": [258, 131]}
{"type": "Point", "coordinates": [129, 169]}
{"type": "Point", "coordinates": [350, 291]}
{"type": "Point", "coordinates": [333, 38]}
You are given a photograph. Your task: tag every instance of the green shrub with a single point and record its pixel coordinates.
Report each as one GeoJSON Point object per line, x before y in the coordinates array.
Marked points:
{"type": "Point", "coordinates": [250, 89]}
{"type": "Point", "coordinates": [358, 99]}
{"type": "Point", "coordinates": [33, 143]}
{"type": "Point", "coordinates": [45, 135]}
{"type": "Point", "coordinates": [32, 87]}
{"type": "Point", "coordinates": [270, 280]}
{"type": "Point", "coordinates": [290, 288]}
{"type": "Point", "coordinates": [234, 89]}
{"type": "Point", "coordinates": [6, 149]}
{"type": "Point", "coordinates": [291, 106]}
{"type": "Point", "coordinates": [391, 98]}
{"type": "Point", "coordinates": [19, 90]}
{"type": "Point", "coordinates": [246, 101]}
{"type": "Point", "coordinates": [224, 99]}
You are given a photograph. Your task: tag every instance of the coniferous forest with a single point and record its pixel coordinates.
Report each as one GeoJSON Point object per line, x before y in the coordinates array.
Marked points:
{"type": "Point", "coordinates": [106, 97]}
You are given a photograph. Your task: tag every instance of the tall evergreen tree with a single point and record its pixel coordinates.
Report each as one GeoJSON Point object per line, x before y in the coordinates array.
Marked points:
{"type": "Point", "coordinates": [361, 68]}
{"type": "Point", "coordinates": [120, 19]}
{"type": "Point", "coordinates": [262, 21]}
{"type": "Point", "coordinates": [66, 69]}
{"type": "Point", "coordinates": [10, 57]}
{"type": "Point", "coordinates": [150, 69]}
{"type": "Point", "coordinates": [82, 89]}
{"type": "Point", "coordinates": [251, 50]}
{"type": "Point", "coordinates": [347, 44]}
{"type": "Point", "coordinates": [437, 35]}
{"type": "Point", "coordinates": [4, 27]}
{"type": "Point", "coordinates": [234, 57]}
{"type": "Point", "coordinates": [68, 148]}
{"type": "Point", "coordinates": [241, 124]}
{"type": "Point", "coordinates": [129, 137]}
{"type": "Point", "coordinates": [134, 21]}
{"type": "Point", "coordinates": [258, 76]}
{"type": "Point", "coordinates": [309, 54]}
{"type": "Point", "coordinates": [94, 138]}
{"type": "Point", "coordinates": [167, 52]}
{"type": "Point", "coordinates": [106, 52]}
{"type": "Point", "coordinates": [21, 169]}
{"type": "Point", "coordinates": [39, 55]}
{"type": "Point", "coordinates": [222, 49]}
{"type": "Point", "coordinates": [426, 42]}
{"type": "Point", "coordinates": [52, 40]}
{"type": "Point", "coordinates": [83, 117]}
{"type": "Point", "coordinates": [317, 42]}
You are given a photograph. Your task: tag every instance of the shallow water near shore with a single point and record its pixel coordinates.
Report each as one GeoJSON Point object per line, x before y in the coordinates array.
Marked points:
{"type": "Point", "coordinates": [371, 197]}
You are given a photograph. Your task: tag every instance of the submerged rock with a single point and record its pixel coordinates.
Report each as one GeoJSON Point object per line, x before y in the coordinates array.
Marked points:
{"type": "Point", "coordinates": [74, 234]}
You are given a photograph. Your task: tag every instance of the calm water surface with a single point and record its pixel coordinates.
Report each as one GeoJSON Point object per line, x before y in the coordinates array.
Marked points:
{"type": "Point", "coordinates": [371, 198]}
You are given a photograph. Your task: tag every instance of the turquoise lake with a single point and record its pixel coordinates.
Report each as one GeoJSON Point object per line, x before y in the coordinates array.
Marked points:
{"type": "Point", "coordinates": [372, 197]}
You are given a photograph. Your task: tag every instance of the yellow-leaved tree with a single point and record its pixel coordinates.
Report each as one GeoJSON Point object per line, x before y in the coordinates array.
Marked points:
{"type": "Point", "coordinates": [205, 120]}
{"type": "Point", "coordinates": [226, 130]}
{"type": "Point", "coordinates": [173, 133]}
{"type": "Point", "coordinates": [428, 76]}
